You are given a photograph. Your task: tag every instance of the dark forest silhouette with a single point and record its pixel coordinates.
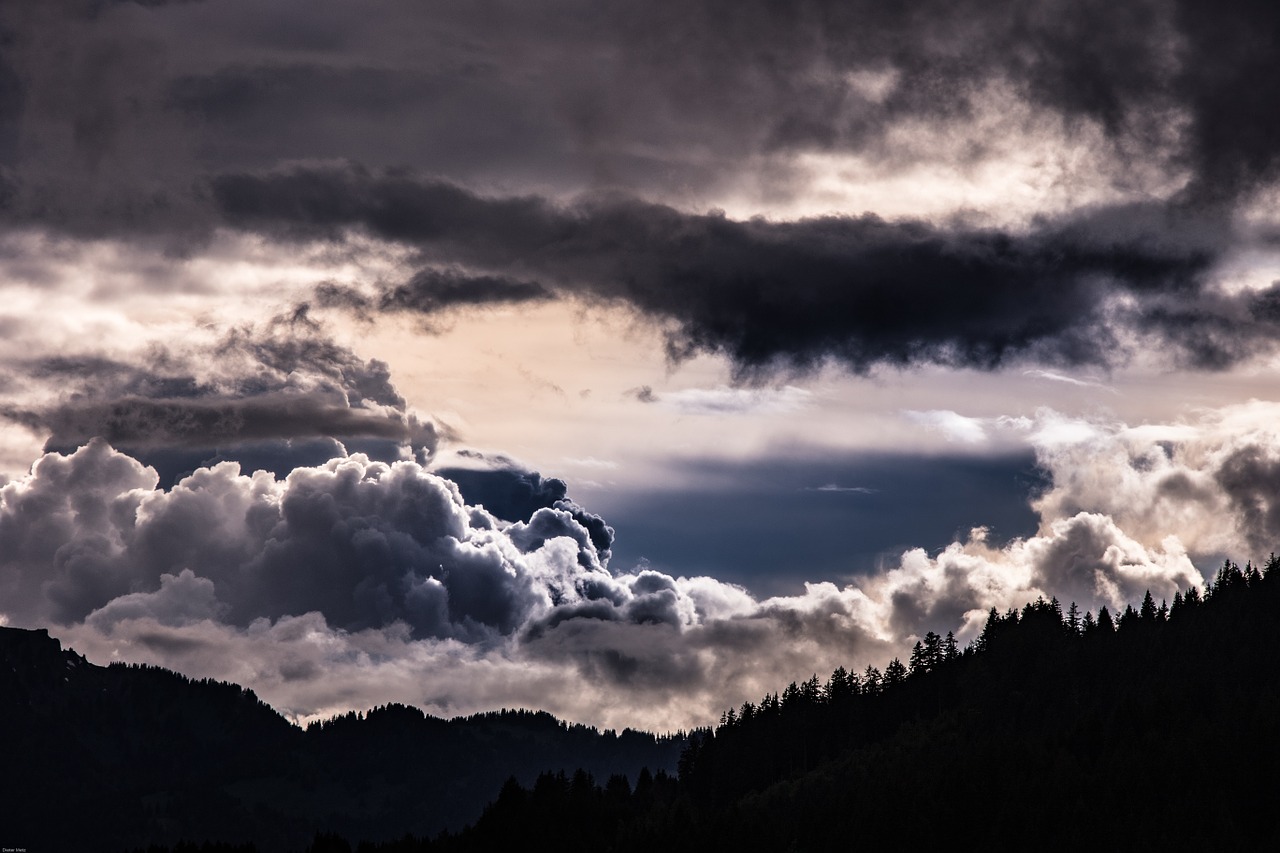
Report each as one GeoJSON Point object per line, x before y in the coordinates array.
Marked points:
{"type": "Point", "coordinates": [1152, 729]}
{"type": "Point", "coordinates": [108, 758]}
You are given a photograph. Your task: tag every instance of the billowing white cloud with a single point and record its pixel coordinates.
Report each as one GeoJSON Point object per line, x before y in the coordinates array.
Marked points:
{"type": "Point", "coordinates": [1213, 480]}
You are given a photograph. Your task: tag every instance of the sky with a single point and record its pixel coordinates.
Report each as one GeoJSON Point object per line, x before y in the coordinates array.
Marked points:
{"type": "Point", "coordinates": [627, 361]}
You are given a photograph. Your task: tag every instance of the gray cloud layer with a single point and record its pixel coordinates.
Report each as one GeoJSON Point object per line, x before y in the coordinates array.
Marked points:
{"type": "Point", "coordinates": [272, 397]}
{"type": "Point", "coordinates": [662, 94]}
{"type": "Point", "coordinates": [165, 120]}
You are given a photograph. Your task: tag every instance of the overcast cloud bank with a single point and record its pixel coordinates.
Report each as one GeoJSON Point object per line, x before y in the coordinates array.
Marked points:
{"type": "Point", "coordinates": [161, 123]}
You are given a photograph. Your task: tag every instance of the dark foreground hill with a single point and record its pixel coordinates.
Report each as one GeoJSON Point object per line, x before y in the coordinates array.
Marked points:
{"type": "Point", "coordinates": [109, 758]}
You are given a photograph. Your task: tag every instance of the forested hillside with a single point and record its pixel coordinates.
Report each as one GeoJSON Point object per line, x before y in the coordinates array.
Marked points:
{"type": "Point", "coordinates": [106, 758]}
{"type": "Point", "coordinates": [1153, 730]}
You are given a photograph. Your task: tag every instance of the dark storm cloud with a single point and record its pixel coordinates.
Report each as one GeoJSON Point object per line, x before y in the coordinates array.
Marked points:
{"type": "Point", "coordinates": [432, 291]}
{"type": "Point", "coordinates": [1183, 80]}
{"type": "Point", "coordinates": [259, 96]}
{"type": "Point", "coordinates": [159, 118]}
{"type": "Point", "coordinates": [668, 98]}
{"type": "Point", "coordinates": [857, 289]}
{"type": "Point", "coordinates": [1214, 330]}
{"type": "Point", "coordinates": [146, 3]}
{"type": "Point", "coordinates": [1229, 64]}
{"type": "Point", "coordinates": [11, 98]}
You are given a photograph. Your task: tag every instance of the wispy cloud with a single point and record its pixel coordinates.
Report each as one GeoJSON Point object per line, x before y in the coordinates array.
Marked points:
{"type": "Point", "coordinates": [590, 462]}
{"type": "Point", "coordinates": [725, 400]}
{"type": "Point", "coordinates": [834, 487]}
{"type": "Point", "coordinates": [953, 425]}
{"type": "Point", "coordinates": [1054, 376]}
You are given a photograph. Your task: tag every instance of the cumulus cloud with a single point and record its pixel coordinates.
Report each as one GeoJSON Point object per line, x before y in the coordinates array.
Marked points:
{"type": "Point", "coordinates": [180, 601]}
{"type": "Point", "coordinates": [1210, 479]}
{"type": "Point", "coordinates": [356, 581]}
{"type": "Point", "coordinates": [515, 493]}
{"type": "Point", "coordinates": [364, 543]}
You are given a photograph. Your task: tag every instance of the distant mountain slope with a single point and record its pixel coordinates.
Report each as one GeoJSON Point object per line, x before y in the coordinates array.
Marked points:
{"type": "Point", "coordinates": [105, 758]}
